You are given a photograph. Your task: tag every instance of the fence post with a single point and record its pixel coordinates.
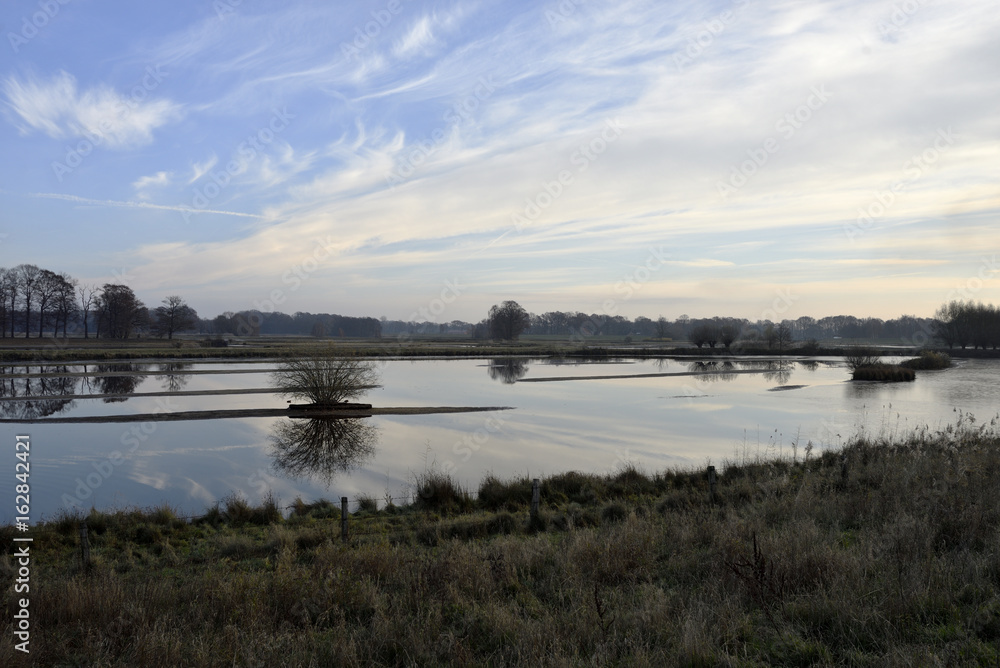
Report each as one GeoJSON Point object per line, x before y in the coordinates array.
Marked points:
{"type": "Point", "coordinates": [843, 468]}
{"type": "Point", "coordinates": [711, 484]}
{"type": "Point", "coordinates": [343, 518]}
{"type": "Point", "coordinates": [535, 497]}
{"type": "Point", "coordinates": [84, 547]}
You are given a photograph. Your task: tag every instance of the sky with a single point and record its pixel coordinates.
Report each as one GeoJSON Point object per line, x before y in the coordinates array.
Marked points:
{"type": "Point", "coordinates": [424, 160]}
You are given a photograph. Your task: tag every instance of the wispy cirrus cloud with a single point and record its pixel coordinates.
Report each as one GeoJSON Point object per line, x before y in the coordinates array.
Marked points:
{"type": "Point", "coordinates": [137, 205]}
{"type": "Point", "coordinates": [413, 101]}
{"type": "Point", "coordinates": [199, 169]}
{"type": "Point", "coordinates": [417, 40]}
{"type": "Point", "coordinates": [144, 183]}
{"type": "Point", "coordinates": [56, 107]}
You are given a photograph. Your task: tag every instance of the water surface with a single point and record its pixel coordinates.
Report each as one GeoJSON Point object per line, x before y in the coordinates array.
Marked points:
{"type": "Point", "coordinates": [594, 425]}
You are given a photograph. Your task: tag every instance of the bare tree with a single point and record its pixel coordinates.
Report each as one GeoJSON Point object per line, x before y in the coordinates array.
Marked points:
{"type": "Point", "coordinates": [507, 370]}
{"type": "Point", "coordinates": [64, 302]}
{"type": "Point", "coordinates": [507, 321]}
{"type": "Point", "coordinates": [173, 316]}
{"type": "Point", "coordinates": [28, 276]}
{"type": "Point", "coordinates": [728, 333]}
{"type": "Point", "coordinates": [322, 448]}
{"type": "Point", "coordinates": [783, 335]}
{"type": "Point", "coordinates": [325, 380]}
{"type": "Point", "coordinates": [859, 357]}
{"type": "Point", "coordinates": [704, 333]}
{"type": "Point", "coordinates": [8, 298]}
{"type": "Point", "coordinates": [46, 289]}
{"type": "Point", "coordinates": [88, 300]}
{"type": "Point", "coordinates": [662, 328]}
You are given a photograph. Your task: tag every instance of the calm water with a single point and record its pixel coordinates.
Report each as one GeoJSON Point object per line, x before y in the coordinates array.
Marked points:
{"type": "Point", "coordinates": [587, 425]}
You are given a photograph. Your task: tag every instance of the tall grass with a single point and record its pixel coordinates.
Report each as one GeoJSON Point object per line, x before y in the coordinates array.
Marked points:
{"type": "Point", "coordinates": [928, 360]}
{"type": "Point", "coordinates": [793, 564]}
{"type": "Point", "coordinates": [884, 372]}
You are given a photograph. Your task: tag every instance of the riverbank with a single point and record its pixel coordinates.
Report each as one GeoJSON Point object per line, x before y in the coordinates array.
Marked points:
{"type": "Point", "coordinates": [882, 553]}
{"type": "Point", "coordinates": [98, 351]}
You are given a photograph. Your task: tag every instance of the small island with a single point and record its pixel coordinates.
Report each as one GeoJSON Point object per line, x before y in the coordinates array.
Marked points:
{"type": "Point", "coordinates": [867, 364]}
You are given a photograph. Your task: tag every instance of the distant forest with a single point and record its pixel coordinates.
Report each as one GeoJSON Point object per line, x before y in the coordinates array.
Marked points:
{"type": "Point", "coordinates": [39, 302]}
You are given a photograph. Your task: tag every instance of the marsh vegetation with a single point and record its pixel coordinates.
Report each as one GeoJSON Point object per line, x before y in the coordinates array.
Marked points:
{"type": "Point", "coordinates": [793, 563]}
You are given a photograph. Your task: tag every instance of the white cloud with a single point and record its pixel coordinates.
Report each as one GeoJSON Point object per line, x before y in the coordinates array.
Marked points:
{"type": "Point", "coordinates": [158, 180]}
{"type": "Point", "coordinates": [199, 169]}
{"type": "Point", "coordinates": [418, 39]}
{"type": "Point", "coordinates": [101, 114]}
{"type": "Point", "coordinates": [277, 169]}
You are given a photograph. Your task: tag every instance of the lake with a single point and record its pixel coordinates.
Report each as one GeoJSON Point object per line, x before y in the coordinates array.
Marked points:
{"type": "Point", "coordinates": [741, 408]}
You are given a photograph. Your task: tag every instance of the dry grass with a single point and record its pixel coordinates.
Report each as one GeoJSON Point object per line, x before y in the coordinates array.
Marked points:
{"type": "Point", "coordinates": [884, 372]}
{"type": "Point", "coordinates": [928, 360]}
{"type": "Point", "coordinates": [792, 565]}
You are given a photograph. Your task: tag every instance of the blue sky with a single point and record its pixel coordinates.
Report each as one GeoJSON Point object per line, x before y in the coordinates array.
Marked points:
{"type": "Point", "coordinates": [397, 157]}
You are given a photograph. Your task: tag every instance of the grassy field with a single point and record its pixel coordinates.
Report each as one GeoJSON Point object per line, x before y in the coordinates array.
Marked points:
{"type": "Point", "coordinates": [881, 554]}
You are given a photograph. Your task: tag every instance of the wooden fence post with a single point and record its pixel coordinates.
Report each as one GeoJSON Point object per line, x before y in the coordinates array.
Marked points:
{"type": "Point", "coordinates": [535, 497]}
{"type": "Point", "coordinates": [843, 468]}
{"type": "Point", "coordinates": [84, 547]}
{"type": "Point", "coordinates": [711, 484]}
{"type": "Point", "coordinates": [343, 518]}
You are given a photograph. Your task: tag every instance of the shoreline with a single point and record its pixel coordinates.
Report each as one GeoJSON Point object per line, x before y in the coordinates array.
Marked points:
{"type": "Point", "coordinates": [882, 552]}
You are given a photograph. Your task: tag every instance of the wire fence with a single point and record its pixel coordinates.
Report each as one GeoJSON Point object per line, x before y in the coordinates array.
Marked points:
{"type": "Point", "coordinates": [421, 522]}
{"type": "Point", "coordinates": [346, 526]}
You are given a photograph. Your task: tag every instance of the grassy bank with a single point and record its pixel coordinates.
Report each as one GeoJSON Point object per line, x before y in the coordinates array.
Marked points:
{"type": "Point", "coordinates": [277, 347]}
{"type": "Point", "coordinates": [894, 564]}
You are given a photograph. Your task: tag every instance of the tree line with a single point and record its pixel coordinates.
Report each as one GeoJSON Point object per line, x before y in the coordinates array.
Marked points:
{"type": "Point", "coordinates": [275, 323]}
{"type": "Point", "coordinates": [968, 323]}
{"type": "Point", "coordinates": [37, 301]}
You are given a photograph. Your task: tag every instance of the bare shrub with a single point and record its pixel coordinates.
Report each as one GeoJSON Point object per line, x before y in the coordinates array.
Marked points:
{"type": "Point", "coordinates": [859, 357]}
{"type": "Point", "coordinates": [325, 380]}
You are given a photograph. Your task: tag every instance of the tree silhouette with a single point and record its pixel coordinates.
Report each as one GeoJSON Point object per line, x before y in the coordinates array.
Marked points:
{"type": "Point", "coordinates": [322, 448]}
{"type": "Point", "coordinates": [507, 321]}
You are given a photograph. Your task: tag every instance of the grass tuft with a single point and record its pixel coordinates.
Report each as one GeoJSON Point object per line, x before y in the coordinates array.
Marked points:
{"type": "Point", "coordinates": [884, 372]}
{"type": "Point", "coordinates": [928, 360]}
{"type": "Point", "coordinates": [439, 491]}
